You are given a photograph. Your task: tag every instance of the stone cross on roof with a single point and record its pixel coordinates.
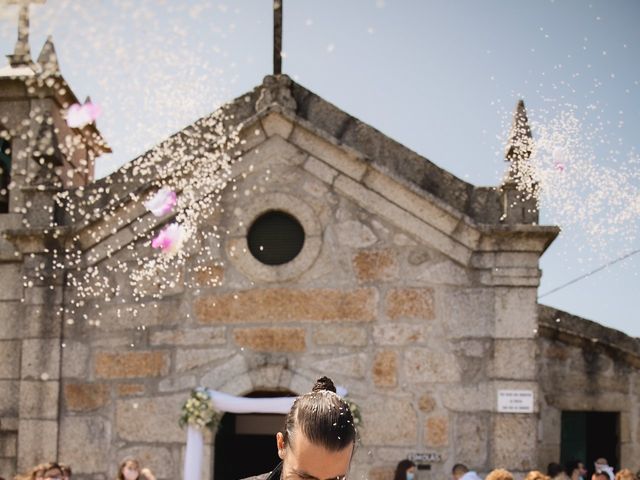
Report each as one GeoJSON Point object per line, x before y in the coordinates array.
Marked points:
{"type": "Point", "coordinates": [277, 37]}
{"type": "Point", "coordinates": [22, 53]}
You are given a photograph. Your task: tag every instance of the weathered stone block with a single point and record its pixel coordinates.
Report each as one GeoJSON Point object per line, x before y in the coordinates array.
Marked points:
{"type": "Point", "coordinates": [514, 359]}
{"type": "Point", "coordinates": [81, 438]}
{"type": "Point", "coordinates": [510, 454]}
{"type": "Point", "coordinates": [167, 312]}
{"type": "Point", "coordinates": [375, 265]}
{"type": "Point", "coordinates": [354, 366]}
{"type": "Point", "coordinates": [389, 421]}
{"type": "Point", "coordinates": [470, 312]}
{"type": "Point", "coordinates": [50, 298]}
{"type": "Point", "coordinates": [385, 369]}
{"type": "Point", "coordinates": [271, 339]}
{"type": "Point", "coordinates": [275, 124]}
{"type": "Point", "coordinates": [209, 276]}
{"type": "Point", "coordinates": [85, 397]}
{"type": "Point", "coordinates": [130, 389]}
{"type": "Point", "coordinates": [10, 320]}
{"type": "Point", "coordinates": [195, 358]}
{"type": "Point", "coordinates": [175, 384]}
{"type": "Point", "coordinates": [145, 419]}
{"type": "Point", "coordinates": [444, 273]}
{"type": "Point", "coordinates": [9, 424]}
{"type": "Point", "coordinates": [75, 359]}
{"type": "Point", "coordinates": [239, 386]}
{"type": "Point", "coordinates": [429, 366]}
{"type": "Point", "coordinates": [8, 466]}
{"type": "Point", "coordinates": [39, 399]}
{"type": "Point", "coordinates": [415, 303]}
{"type": "Point", "coordinates": [220, 375]}
{"type": "Point", "coordinates": [10, 359]}
{"type": "Point", "coordinates": [268, 376]}
{"type": "Point", "coordinates": [131, 364]}
{"type": "Point", "coordinates": [426, 403]}
{"type": "Point", "coordinates": [11, 274]}
{"type": "Point", "coordinates": [9, 398]}
{"type": "Point", "coordinates": [388, 210]}
{"type": "Point", "coordinates": [8, 444]}
{"type": "Point", "coordinates": [40, 321]}
{"type": "Point", "coordinates": [37, 440]}
{"type": "Point", "coordinates": [352, 233]}
{"type": "Point", "coordinates": [336, 335]}
{"type": "Point", "coordinates": [320, 169]}
{"type": "Point", "coordinates": [516, 312]}
{"type": "Point", "coordinates": [191, 337]}
{"type": "Point", "coordinates": [40, 359]}
{"type": "Point", "coordinates": [286, 305]}
{"type": "Point", "coordinates": [381, 473]}
{"type": "Point", "coordinates": [471, 438]}
{"type": "Point", "coordinates": [399, 334]}
{"type": "Point", "coordinates": [328, 153]}
{"type": "Point", "coordinates": [436, 431]}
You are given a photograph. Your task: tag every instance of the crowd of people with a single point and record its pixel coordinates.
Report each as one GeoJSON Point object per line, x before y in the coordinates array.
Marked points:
{"type": "Point", "coordinates": [129, 469]}
{"type": "Point", "coordinates": [573, 470]}
{"type": "Point", "coordinates": [318, 441]}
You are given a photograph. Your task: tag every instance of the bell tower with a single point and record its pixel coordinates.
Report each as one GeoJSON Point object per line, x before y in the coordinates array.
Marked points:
{"type": "Point", "coordinates": [39, 152]}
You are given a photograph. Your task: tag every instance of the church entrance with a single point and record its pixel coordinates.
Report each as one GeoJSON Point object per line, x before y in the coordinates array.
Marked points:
{"type": "Point", "coordinates": [587, 436]}
{"type": "Point", "coordinates": [245, 444]}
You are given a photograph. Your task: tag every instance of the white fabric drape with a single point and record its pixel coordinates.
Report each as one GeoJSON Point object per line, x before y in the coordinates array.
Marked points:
{"type": "Point", "coordinates": [223, 402]}
{"type": "Point", "coordinates": [193, 454]}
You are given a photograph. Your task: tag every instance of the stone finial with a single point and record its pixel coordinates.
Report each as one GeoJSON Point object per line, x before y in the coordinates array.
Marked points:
{"type": "Point", "coordinates": [519, 190]}
{"type": "Point", "coordinates": [520, 143]}
{"type": "Point", "coordinates": [276, 90]}
{"type": "Point", "coordinates": [48, 59]}
{"type": "Point", "coordinates": [21, 55]}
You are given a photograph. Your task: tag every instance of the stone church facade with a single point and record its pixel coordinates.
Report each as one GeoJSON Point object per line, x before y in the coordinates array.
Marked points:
{"type": "Point", "coordinates": [413, 289]}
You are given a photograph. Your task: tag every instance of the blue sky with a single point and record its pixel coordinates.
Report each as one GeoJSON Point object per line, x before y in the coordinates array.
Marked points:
{"type": "Point", "coordinates": [441, 77]}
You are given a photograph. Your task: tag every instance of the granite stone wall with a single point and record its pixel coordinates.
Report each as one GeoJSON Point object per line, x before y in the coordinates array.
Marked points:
{"type": "Point", "coordinates": [422, 313]}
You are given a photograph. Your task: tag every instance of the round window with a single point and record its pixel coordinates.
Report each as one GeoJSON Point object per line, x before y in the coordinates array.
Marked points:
{"type": "Point", "coordinates": [275, 238]}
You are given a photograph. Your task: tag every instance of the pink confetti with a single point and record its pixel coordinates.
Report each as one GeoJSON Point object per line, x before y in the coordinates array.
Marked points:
{"type": "Point", "coordinates": [79, 116]}
{"type": "Point", "coordinates": [170, 239]}
{"type": "Point", "coordinates": [162, 202]}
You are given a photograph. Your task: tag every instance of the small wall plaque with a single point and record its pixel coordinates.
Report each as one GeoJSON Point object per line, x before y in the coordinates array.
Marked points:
{"type": "Point", "coordinates": [515, 401]}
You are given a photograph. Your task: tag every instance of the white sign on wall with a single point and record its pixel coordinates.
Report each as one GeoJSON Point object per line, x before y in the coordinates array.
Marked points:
{"type": "Point", "coordinates": [515, 401]}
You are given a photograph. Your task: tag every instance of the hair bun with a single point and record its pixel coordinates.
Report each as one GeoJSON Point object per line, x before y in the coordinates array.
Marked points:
{"type": "Point", "coordinates": [324, 383]}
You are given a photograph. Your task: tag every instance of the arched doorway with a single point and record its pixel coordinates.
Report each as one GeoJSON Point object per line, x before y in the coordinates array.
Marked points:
{"type": "Point", "coordinates": [245, 444]}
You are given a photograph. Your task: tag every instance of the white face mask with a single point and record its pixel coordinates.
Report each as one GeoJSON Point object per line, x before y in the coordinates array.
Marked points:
{"type": "Point", "coordinates": [410, 475]}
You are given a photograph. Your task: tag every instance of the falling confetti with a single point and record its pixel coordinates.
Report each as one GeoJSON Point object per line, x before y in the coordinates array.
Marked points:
{"type": "Point", "coordinates": [162, 202]}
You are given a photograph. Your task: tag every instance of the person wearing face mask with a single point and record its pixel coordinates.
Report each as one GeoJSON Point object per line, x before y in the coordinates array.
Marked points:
{"type": "Point", "coordinates": [318, 438]}
{"type": "Point", "coordinates": [130, 470]}
{"type": "Point", "coordinates": [602, 466]}
{"type": "Point", "coordinates": [405, 470]}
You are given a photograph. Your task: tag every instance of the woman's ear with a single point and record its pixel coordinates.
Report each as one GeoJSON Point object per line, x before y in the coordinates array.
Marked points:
{"type": "Point", "coordinates": [281, 445]}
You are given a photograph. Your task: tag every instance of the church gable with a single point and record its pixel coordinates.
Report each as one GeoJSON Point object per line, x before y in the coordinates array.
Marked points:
{"type": "Point", "coordinates": [349, 172]}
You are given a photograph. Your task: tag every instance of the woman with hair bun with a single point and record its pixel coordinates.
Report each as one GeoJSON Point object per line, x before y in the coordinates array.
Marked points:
{"type": "Point", "coordinates": [318, 438]}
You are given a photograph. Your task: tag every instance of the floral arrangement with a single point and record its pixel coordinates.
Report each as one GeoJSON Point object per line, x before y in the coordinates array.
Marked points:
{"type": "Point", "coordinates": [199, 411]}
{"type": "Point", "coordinates": [355, 412]}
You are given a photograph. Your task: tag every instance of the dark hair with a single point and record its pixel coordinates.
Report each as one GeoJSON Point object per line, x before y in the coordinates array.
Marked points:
{"type": "Point", "coordinates": [459, 468]}
{"type": "Point", "coordinates": [570, 466]}
{"type": "Point", "coordinates": [322, 416]}
{"type": "Point", "coordinates": [401, 469]}
{"type": "Point", "coordinates": [554, 469]}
